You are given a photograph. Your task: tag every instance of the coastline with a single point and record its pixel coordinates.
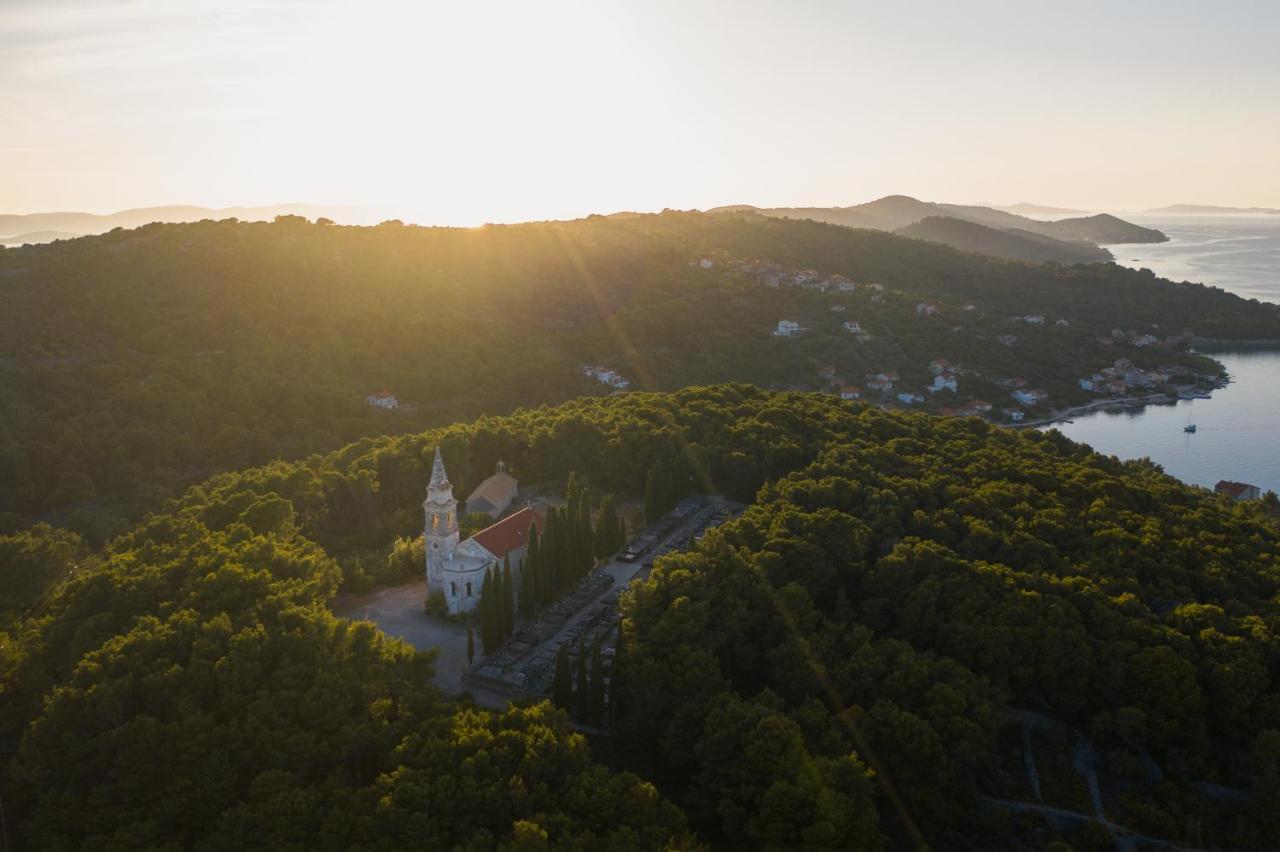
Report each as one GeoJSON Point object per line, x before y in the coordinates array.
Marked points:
{"type": "Point", "coordinates": [1125, 402]}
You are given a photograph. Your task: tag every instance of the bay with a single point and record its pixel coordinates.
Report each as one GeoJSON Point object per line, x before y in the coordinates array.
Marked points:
{"type": "Point", "coordinates": [1238, 430]}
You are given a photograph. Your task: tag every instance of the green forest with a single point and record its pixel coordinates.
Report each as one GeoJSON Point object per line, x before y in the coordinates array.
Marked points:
{"type": "Point", "coordinates": [863, 660]}
{"type": "Point", "coordinates": [139, 362]}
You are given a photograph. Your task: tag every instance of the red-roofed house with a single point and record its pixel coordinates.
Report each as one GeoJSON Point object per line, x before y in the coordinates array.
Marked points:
{"type": "Point", "coordinates": [1238, 490]}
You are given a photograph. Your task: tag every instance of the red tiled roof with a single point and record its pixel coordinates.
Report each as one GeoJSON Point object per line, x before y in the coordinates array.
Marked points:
{"type": "Point", "coordinates": [1235, 489]}
{"type": "Point", "coordinates": [510, 533]}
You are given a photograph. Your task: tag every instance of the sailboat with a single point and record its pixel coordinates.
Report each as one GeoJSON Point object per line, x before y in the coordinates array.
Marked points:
{"type": "Point", "coordinates": [1190, 428]}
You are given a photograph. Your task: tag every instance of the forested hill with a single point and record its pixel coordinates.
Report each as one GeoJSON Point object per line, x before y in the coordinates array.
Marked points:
{"type": "Point", "coordinates": [1012, 244]}
{"type": "Point", "coordinates": [925, 632]}
{"type": "Point", "coordinates": [136, 362]}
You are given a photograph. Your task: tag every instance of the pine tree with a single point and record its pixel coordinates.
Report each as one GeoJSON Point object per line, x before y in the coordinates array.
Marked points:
{"type": "Point", "coordinates": [582, 696]}
{"type": "Point", "coordinates": [471, 644]}
{"type": "Point", "coordinates": [508, 599]}
{"type": "Point", "coordinates": [595, 703]}
{"type": "Point", "coordinates": [562, 691]}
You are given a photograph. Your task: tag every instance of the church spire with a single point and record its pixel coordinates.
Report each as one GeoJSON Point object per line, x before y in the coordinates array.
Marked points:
{"type": "Point", "coordinates": [439, 479]}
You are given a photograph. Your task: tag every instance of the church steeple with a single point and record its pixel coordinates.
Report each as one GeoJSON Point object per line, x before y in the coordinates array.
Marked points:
{"type": "Point", "coordinates": [440, 535]}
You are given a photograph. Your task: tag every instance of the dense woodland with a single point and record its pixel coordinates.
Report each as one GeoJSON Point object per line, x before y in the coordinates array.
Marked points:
{"type": "Point", "coordinates": [842, 667]}
{"type": "Point", "coordinates": [135, 363]}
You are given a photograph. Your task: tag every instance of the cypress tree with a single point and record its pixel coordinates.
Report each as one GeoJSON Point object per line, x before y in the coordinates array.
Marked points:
{"type": "Point", "coordinates": [582, 697]}
{"type": "Point", "coordinates": [651, 512]}
{"type": "Point", "coordinates": [488, 616]}
{"type": "Point", "coordinates": [595, 704]}
{"type": "Point", "coordinates": [562, 690]}
{"type": "Point", "coordinates": [586, 537]}
{"type": "Point", "coordinates": [471, 644]}
{"type": "Point", "coordinates": [508, 599]}
{"type": "Point", "coordinates": [607, 541]}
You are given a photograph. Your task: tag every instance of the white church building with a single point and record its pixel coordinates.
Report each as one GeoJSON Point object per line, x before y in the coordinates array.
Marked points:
{"type": "Point", "coordinates": [456, 568]}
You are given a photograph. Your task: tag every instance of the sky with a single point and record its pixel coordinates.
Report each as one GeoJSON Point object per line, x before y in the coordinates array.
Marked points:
{"type": "Point", "coordinates": [470, 112]}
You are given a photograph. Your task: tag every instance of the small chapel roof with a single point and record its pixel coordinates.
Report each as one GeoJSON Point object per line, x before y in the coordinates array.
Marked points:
{"type": "Point", "coordinates": [510, 533]}
{"type": "Point", "coordinates": [497, 489]}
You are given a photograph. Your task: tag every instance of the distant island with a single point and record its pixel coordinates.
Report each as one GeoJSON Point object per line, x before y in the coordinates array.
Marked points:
{"type": "Point", "coordinates": [1003, 234]}
{"type": "Point", "coordinates": [1024, 208]}
{"type": "Point", "coordinates": [1211, 209]}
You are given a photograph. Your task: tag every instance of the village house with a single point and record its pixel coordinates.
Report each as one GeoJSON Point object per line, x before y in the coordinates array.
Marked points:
{"type": "Point", "coordinates": [788, 328]}
{"type": "Point", "coordinates": [1010, 384]}
{"type": "Point", "coordinates": [879, 383]}
{"type": "Point", "coordinates": [908, 398]}
{"type": "Point", "coordinates": [852, 326]}
{"type": "Point", "coordinates": [842, 284]}
{"type": "Point", "coordinates": [837, 309]}
{"type": "Point", "coordinates": [850, 392]}
{"type": "Point", "coordinates": [1029, 397]}
{"type": "Point", "coordinates": [927, 308]}
{"type": "Point", "coordinates": [1008, 339]}
{"type": "Point", "coordinates": [1061, 323]}
{"type": "Point", "coordinates": [1033, 319]}
{"type": "Point", "coordinates": [981, 406]}
{"type": "Point", "coordinates": [384, 400]}
{"type": "Point", "coordinates": [940, 365]}
{"type": "Point", "coordinates": [1237, 490]}
{"type": "Point", "coordinates": [879, 288]}
{"type": "Point", "coordinates": [943, 381]}
{"type": "Point", "coordinates": [606, 376]}
{"type": "Point", "coordinates": [1015, 414]}
{"type": "Point", "coordinates": [970, 307]}
{"type": "Point", "coordinates": [706, 263]}
{"type": "Point", "coordinates": [1144, 340]}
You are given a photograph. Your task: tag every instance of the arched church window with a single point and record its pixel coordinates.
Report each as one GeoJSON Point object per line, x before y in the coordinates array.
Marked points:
{"type": "Point", "coordinates": [435, 522]}
{"type": "Point", "coordinates": [453, 589]}
{"type": "Point", "coordinates": [468, 589]}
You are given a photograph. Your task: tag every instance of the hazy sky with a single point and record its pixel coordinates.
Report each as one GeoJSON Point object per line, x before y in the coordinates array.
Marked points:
{"type": "Point", "coordinates": [465, 112]}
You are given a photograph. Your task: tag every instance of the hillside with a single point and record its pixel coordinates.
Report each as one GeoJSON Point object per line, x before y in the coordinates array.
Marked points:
{"type": "Point", "coordinates": [919, 628]}
{"type": "Point", "coordinates": [46, 227]}
{"type": "Point", "coordinates": [136, 362]}
{"type": "Point", "coordinates": [1026, 208]}
{"type": "Point", "coordinates": [1014, 244]}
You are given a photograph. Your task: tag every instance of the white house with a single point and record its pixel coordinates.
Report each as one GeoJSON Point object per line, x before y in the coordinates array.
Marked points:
{"type": "Point", "coordinates": [850, 392]}
{"type": "Point", "coordinates": [944, 381]}
{"type": "Point", "coordinates": [907, 397]}
{"type": "Point", "coordinates": [1008, 339]}
{"type": "Point", "coordinates": [1033, 319]}
{"type": "Point", "coordinates": [1029, 397]}
{"type": "Point", "coordinates": [852, 326]}
{"type": "Point", "coordinates": [788, 328]}
{"type": "Point", "coordinates": [385, 400]}
{"type": "Point", "coordinates": [927, 308]}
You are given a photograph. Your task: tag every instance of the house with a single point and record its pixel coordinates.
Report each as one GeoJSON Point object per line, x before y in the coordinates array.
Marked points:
{"type": "Point", "coordinates": [1029, 397]}
{"type": "Point", "coordinates": [837, 309]}
{"type": "Point", "coordinates": [1086, 384]}
{"type": "Point", "coordinates": [850, 392]}
{"type": "Point", "coordinates": [384, 400]}
{"type": "Point", "coordinates": [842, 284]}
{"type": "Point", "coordinates": [456, 569]}
{"type": "Point", "coordinates": [880, 384]}
{"type": "Point", "coordinates": [1033, 319]}
{"type": "Point", "coordinates": [493, 496]}
{"type": "Point", "coordinates": [1008, 339]}
{"type": "Point", "coordinates": [828, 373]}
{"type": "Point", "coordinates": [1010, 384]}
{"type": "Point", "coordinates": [606, 376]}
{"type": "Point", "coordinates": [1237, 490]}
{"type": "Point", "coordinates": [706, 263]}
{"type": "Point", "coordinates": [852, 326]}
{"type": "Point", "coordinates": [907, 398]}
{"type": "Point", "coordinates": [927, 308]}
{"type": "Point", "coordinates": [1144, 340]}
{"type": "Point", "coordinates": [940, 365]}
{"type": "Point", "coordinates": [1015, 414]}
{"type": "Point", "coordinates": [969, 307]}
{"type": "Point", "coordinates": [879, 288]}
{"type": "Point", "coordinates": [943, 381]}
{"type": "Point", "coordinates": [980, 405]}
{"type": "Point", "coordinates": [1061, 323]}
{"type": "Point", "coordinates": [788, 328]}
{"type": "Point", "coordinates": [1123, 364]}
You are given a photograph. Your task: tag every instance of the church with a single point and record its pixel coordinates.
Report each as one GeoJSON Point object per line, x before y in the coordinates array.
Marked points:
{"type": "Point", "coordinates": [456, 568]}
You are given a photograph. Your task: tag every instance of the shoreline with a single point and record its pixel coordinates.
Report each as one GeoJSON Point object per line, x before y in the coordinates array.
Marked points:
{"type": "Point", "coordinates": [1122, 403]}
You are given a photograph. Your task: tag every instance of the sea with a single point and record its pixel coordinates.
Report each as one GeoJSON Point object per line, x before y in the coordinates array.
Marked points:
{"type": "Point", "coordinates": [1237, 433]}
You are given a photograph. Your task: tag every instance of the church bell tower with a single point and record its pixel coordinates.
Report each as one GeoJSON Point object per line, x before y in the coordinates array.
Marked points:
{"type": "Point", "coordinates": [440, 536]}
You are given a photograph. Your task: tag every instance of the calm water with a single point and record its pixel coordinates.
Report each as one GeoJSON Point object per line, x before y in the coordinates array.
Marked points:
{"type": "Point", "coordinates": [1238, 430]}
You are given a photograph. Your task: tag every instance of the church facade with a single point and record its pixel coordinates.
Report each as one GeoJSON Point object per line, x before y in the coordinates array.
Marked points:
{"type": "Point", "coordinates": [456, 569]}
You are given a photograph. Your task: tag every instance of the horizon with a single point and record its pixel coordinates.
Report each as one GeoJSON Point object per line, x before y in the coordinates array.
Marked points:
{"type": "Point", "coordinates": [462, 115]}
